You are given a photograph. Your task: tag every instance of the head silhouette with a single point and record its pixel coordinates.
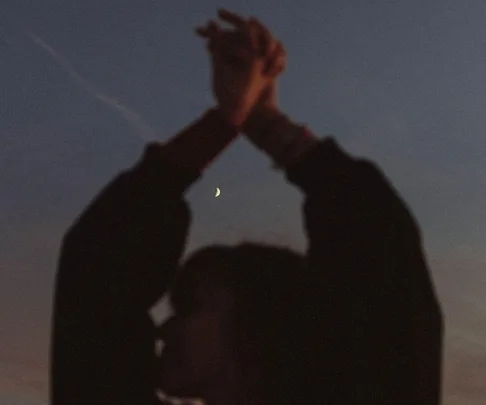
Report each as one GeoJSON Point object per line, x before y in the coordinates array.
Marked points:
{"type": "Point", "coordinates": [243, 327]}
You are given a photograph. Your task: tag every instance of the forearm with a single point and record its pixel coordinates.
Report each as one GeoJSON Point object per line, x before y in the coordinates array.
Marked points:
{"type": "Point", "coordinates": [116, 261]}
{"type": "Point", "coordinates": [197, 145]}
{"type": "Point", "coordinates": [278, 136]}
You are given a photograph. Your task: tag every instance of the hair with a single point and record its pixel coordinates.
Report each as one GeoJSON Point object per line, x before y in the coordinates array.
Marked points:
{"type": "Point", "coordinates": [275, 310]}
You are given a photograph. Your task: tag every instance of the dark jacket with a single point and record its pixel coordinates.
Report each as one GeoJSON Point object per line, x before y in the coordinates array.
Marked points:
{"type": "Point", "coordinates": [118, 258]}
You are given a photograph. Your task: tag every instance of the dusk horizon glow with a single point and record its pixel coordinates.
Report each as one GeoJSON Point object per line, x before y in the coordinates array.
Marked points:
{"type": "Point", "coordinates": [86, 85]}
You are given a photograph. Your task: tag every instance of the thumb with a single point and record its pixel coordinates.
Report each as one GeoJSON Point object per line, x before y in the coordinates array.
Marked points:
{"type": "Point", "coordinates": [277, 61]}
{"type": "Point", "coordinates": [269, 95]}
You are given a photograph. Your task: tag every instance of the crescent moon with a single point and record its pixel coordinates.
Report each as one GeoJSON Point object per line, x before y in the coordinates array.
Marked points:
{"type": "Point", "coordinates": [218, 192]}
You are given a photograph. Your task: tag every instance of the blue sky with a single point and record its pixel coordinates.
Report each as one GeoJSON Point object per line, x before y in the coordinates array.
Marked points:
{"type": "Point", "coordinates": [402, 83]}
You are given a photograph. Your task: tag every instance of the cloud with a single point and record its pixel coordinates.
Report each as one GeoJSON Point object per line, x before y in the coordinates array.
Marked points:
{"type": "Point", "coordinates": [143, 130]}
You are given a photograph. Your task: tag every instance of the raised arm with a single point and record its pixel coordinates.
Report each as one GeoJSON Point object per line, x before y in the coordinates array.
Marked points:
{"type": "Point", "coordinates": [365, 249]}
{"type": "Point", "coordinates": [365, 252]}
{"type": "Point", "coordinates": [115, 262]}
{"type": "Point", "coordinates": [120, 254]}
{"type": "Point", "coordinates": [384, 325]}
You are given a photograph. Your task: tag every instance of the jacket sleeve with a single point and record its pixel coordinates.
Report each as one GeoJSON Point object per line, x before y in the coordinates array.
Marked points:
{"type": "Point", "coordinates": [116, 261]}
{"type": "Point", "coordinates": [383, 322]}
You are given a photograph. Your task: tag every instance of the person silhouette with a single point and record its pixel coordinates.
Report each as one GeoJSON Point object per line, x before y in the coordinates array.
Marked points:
{"type": "Point", "coordinates": [353, 321]}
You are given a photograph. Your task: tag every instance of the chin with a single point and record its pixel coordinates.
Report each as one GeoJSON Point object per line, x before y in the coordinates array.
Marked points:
{"type": "Point", "coordinates": [175, 383]}
{"type": "Point", "coordinates": [179, 392]}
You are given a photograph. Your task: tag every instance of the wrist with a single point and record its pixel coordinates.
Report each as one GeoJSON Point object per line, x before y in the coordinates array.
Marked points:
{"type": "Point", "coordinates": [278, 136]}
{"type": "Point", "coordinates": [232, 116]}
{"type": "Point", "coordinates": [196, 146]}
{"type": "Point", "coordinates": [259, 119]}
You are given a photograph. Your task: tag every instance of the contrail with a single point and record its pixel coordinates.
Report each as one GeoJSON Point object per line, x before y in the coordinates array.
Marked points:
{"type": "Point", "coordinates": [144, 131]}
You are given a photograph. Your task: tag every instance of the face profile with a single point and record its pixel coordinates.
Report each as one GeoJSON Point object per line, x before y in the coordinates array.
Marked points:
{"type": "Point", "coordinates": [197, 344]}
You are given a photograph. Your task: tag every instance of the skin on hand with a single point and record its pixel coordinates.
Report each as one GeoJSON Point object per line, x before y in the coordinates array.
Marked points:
{"type": "Point", "coordinates": [246, 61]}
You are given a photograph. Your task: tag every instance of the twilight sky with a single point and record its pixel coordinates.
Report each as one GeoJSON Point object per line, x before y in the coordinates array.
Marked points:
{"type": "Point", "coordinates": [85, 83]}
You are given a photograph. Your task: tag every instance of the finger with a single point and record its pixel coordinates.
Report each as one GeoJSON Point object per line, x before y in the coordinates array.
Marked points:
{"type": "Point", "coordinates": [210, 29]}
{"type": "Point", "coordinates": [213, 29]}
{"type": "Point", "coordinates": [214, 46]}
{"type": "Point", "coordinates": [278, 60]}
{"type": "Point", "coordinates": [231, 18]}
{"type": "Point", "coordinates": [252, 32]}
{"type": "Point", "coordinates": [232, 55]}
{"type": "Point", "coordinates": [278, 68]}
{"type": "Point", "coordinates": [214, 35]}
{"type": "Point", "coordinates": [264, 36]}
{"type": "Point", "coordinates": [202, 31]}
{"type": "Point", "coordinates": [271, 56]}
{"type": "Point", "coordinates": [279, 65]}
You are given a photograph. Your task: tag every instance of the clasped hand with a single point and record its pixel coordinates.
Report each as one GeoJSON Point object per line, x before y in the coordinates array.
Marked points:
{"type": "Point", "coordinates": [245, 62]}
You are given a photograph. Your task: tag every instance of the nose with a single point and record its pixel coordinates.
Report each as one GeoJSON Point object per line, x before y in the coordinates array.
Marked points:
{"type": "Point", "coordinates": [164, 330]}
